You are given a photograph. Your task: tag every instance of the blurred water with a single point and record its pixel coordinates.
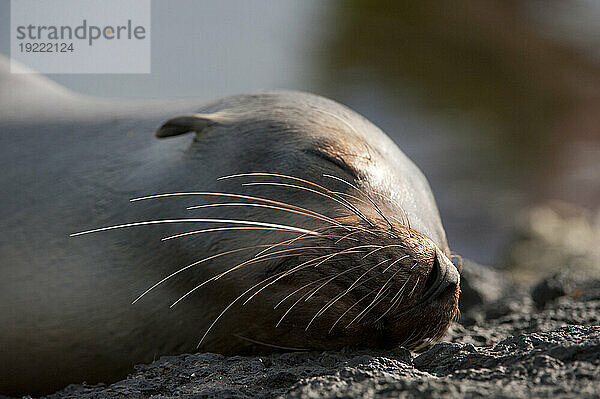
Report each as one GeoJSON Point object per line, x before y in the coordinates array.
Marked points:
{"type": "Point", "coordinates": [499, 109]}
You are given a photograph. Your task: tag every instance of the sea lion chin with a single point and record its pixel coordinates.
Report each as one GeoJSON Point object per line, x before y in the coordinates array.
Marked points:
{"type": "Point", "coordinates": [289, 222]}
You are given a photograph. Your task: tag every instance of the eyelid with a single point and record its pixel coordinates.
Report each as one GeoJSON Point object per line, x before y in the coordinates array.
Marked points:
{"type": "Point", "coordinates": [340, 163]}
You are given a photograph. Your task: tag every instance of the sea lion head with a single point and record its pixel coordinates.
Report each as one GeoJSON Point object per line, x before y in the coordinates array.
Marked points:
{"type": "Point", "coordinates": [346, 246]}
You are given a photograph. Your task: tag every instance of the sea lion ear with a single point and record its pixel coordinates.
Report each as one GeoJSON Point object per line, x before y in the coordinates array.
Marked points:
{"type": "Point", "coordinates": [185, 124]}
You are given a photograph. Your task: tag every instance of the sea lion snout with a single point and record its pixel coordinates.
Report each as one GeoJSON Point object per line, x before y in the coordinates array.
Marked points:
{"type": "Point", "coordinates": [443, 276]}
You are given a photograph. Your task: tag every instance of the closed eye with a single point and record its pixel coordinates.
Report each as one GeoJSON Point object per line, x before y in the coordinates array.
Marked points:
{"type": "Point", "coordinates": [334, 160]}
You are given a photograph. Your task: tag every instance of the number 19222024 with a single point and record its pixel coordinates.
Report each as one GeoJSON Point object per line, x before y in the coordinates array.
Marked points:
{"type": "Point", "coordinates": [46, 47]}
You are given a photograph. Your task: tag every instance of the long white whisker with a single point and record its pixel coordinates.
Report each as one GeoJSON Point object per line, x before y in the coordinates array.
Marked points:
{"type": "Point", "coordinates": [263, 257]}
{"type": "Point", "coordinates": [343, 202]}
{"type": "Point", "coordinates": [307, 264]}
{"type": "Point", "coordinates": [290, 309]}
{"type": "Point", "coordinates": [372, 305]}
{"type": "Point", "coordinates": [189, 266]}
{"type": "Point", "coordinates": [321, 286]}
{"type": "Point", "coordinates": [229, 307]}
{"type": "Point", "coordinates": [378, 298]}
{"type": "Point", "coordinates": [239, 196]}
{"type": "Point", "coordinates": [350, 308]}
{"type": "Point", "coordinates": [415, 287]}
{"type": "Point", "coordinates": [298, 290]}
{"type": "Point", "coordinates": [394, 300]}
{"type": "Point", "coordinates": [302, 237]}
{"type": "Point", "coordinates": [194, 232]}
{"type": "Point", "coordinates": [231, 221]}
{"type": "Point", "coordinates": [333, 278]}
{"type": "Point", "coordinates": [235, 301]}
{"type": "Point", "coordinates": [345, 292]}
{"type": "Point", "coordinates": [396, 261]}
{"type": "Point", "coordinates": [285, 274]}
{"type": "Point", "coordinates": [347, 237]}
{"type": "Point", "coordinates": [226, 272]}
{"type": "Point", "coordinates": [378, 249]}
{"type": "Point", "coordinates": [205, 260]}
{"type": "Point", "coordinates": [279, 208]}
{"type": "Point", "coordinates": [374, 302]}
{"type": "Point", "coordinates": [373, 204]}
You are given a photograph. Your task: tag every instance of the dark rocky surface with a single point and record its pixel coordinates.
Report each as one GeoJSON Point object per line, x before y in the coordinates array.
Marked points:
{"type": "Point", "coordinates": [512, 341]}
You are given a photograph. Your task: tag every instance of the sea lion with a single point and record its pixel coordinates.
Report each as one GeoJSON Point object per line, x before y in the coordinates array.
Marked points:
{"type": "Point", "coordinates": [289, 222]}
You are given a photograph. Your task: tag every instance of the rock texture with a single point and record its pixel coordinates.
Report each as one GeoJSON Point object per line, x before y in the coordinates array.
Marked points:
{"type": "Point", "coordinates": [511, 341]}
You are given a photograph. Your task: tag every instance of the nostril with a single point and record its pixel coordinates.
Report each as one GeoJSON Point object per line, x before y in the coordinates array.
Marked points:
{"type": "Point", "coordinates": [443, 276]}
{"type": "Point", "coordinates": [434, 276]}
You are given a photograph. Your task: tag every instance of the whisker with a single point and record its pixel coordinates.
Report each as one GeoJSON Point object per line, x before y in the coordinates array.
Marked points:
{"type": "Point", "coordinates": [238, 196]}
{"type": "Point", "coordinates": [295, 269]}
{"type": "Point", "coordinates": [348, 235]}
{"type": "Point", "coordinates": [231, 221]}
{"type": "Point", "coordinates": [222, 274]}
{"type": "Point", "coordinates": [229, 307]}
{"type": "Point", "coordinates": [352, 286]}
{"type": "Point", "coordinates": [323, 309]}
{"type": "Point", "coordinates": [333, 278]}
{"type": "Point", "coordinates": [368, 308]}
{"type": "Point", "coordinates": [406, 221]}
{"type": "Point", "coordinates": [296, 291]}
{"type": "Point", "coordinates": [342, 252]}
{"type": "Point", "coordinates": [222, 229]}
{"type": "Point", "coordinates": [279, 208]}
{"type": "Point", "coordinates": [304, 236]}
{"type": "Point", "coordinates": [394, 301]}
{"type": "Point", "coordinates": [275, 276]}
{"type": "Point", "coordinates": [379, 249]}
{"type": "Point", "coordinates": [347, 204]}
{"type": "Point", "coordinates": [373, 204]}
{"type": "Point", "coordinates": [290, 309]}
{"type": "Point", "coordinates": [364, 274]}
{"type": "Point", "coordinates": [263, 257]}
{"type": "Point", "coordinates": [192, 265]}
{"type": "Point", "coordinates": [202, 261]}
{"type": "Point", "coordinates": [300, 237]}
{"type": "Point", "coordinates": [287, 348]}
{"type": "Point", "coordinates": [349, 309]}
{"type": "Point", "coordinates": [307, 264]}
{"type": "Point", "coordinates": [415, 287]}
{"type": "Point", "coordinates": [288, 242]}
{"type": "Point", "coordinates": [374, 302]}
{"type": "Point", "coordinates": [301, 297]}
{"type": "Point", "coordinates": [396, 261]}
{"type": "Point", "coordinates": [342, 202]}
{"type": "Point", "coordinates": [354, 197]}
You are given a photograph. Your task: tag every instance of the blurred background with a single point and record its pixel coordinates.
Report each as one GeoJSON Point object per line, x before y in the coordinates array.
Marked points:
{"type": "Point", "coordinates": [498, 102]}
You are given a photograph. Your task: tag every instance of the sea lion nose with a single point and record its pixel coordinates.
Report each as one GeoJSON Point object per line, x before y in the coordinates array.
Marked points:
{"type": "Point", "coordinates": [443, 275]}
{"type": "Point", "coordinates": [452, 275]}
